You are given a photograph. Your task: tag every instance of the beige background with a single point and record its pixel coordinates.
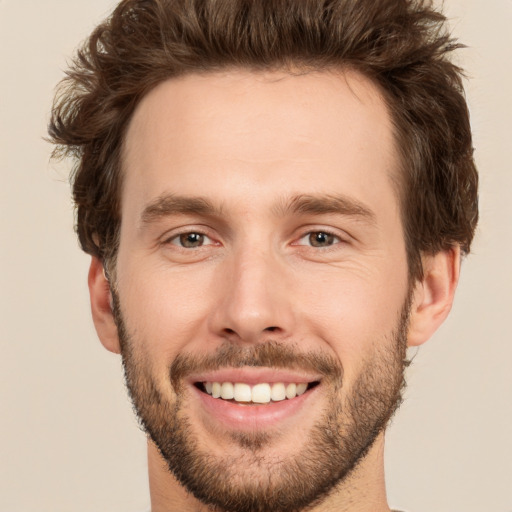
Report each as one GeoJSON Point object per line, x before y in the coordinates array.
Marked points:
{"type": "Point", "coordinates": [68, 439]}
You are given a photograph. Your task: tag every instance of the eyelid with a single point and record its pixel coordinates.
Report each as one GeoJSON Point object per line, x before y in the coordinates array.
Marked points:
{"type": "Point", "coordinates": [170, 236]}
{"type": "Point", "coordinates": [340, 238]}
{"type": "Point", "coordinates": [335, 242]}
{"type": "Point", "coordinates": [206, 239]}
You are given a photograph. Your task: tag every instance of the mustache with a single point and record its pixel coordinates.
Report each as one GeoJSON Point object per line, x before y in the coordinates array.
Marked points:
{"type": "Point", "coordinates": [270, 354]}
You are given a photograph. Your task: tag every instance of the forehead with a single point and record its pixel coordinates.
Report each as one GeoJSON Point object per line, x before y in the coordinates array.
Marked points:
{"type": "Point", "coordinates": [234, 134]}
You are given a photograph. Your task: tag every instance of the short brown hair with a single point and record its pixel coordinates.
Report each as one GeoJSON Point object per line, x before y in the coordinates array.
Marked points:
{"type": "Point", "coordinates": [401, 45]}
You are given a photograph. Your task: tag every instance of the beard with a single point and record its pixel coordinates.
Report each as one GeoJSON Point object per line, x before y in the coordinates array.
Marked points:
{"type": "Point", "coordinates": [256, 480]}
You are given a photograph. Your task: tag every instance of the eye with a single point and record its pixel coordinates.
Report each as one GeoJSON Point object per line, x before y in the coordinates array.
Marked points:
{"type": "Point", "coordinates": [319, 239]}
{"type": "Point", "coordinates": [190, 240]}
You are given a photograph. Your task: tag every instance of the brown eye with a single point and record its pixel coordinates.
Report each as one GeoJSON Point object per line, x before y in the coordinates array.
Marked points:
{"type": "Point", "coordinates": [190, 240]}
{"type": "Point", "coordinates": [321, 239]}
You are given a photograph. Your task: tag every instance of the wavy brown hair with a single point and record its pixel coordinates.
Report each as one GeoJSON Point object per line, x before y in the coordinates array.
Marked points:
{"type": "Point", "coordinates": [403, 46]}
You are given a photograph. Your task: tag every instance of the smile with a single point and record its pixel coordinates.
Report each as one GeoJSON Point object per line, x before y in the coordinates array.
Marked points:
{"type": "Point", "coordinates": [260, 393]}
{"type": "Point", "coordinates": [255, 398]}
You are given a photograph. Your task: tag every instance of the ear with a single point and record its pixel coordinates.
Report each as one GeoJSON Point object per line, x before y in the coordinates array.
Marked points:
{"type": "Point", "coordinates": [101, 307]}
{"type": "Point", "coordinates": [433, 295]}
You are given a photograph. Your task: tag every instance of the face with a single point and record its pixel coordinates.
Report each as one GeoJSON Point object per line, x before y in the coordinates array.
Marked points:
{"type": "Point", "coordinates": [261, 289]}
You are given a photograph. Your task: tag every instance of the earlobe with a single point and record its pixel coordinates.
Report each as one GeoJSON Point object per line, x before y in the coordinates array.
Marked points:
{"type": "Point", "coordinates": [101, 306]}
{"type": "Point", "coordinates": [433, 295]}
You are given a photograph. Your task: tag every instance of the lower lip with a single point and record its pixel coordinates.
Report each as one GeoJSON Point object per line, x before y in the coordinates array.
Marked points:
{"type": "Point", "coordinates": [253, 417]}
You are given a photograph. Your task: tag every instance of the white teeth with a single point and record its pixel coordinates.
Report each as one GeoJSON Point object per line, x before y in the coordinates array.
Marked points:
{"type": "Point", "coordinates": [278, 392]}
{"type": "Point", "coordinates": [301, 388]}
{"type": "Point", "coordinates": [216, 390]}
{"type": "Point", "coordinates": [227, 391]}
{"type": "Point", "coordinates": [261, 393]}
{"type": "Point", "coordinates": [242, 392]}
{"type": "Point", "coordinates": [291, 390]}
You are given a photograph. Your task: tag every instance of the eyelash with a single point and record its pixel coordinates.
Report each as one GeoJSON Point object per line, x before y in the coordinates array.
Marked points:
{"type": "Point", "coordinates": [336, 239]}
{"type": "Point", "coordinates": [179, 237]}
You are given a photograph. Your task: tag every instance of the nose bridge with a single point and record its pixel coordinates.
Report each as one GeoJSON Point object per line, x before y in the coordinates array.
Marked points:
{"type": "Point", "coordinates": [255, 301]}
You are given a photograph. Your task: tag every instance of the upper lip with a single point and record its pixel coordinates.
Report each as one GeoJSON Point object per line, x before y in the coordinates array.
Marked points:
{"type": "Point", "coordinates": [252, 376]}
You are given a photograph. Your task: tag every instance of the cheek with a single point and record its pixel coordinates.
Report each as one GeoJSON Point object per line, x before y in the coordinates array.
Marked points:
{"type": "Point", "coordinates": [352, 312]}
{"type": "Point", "coordinates": [164, 310]}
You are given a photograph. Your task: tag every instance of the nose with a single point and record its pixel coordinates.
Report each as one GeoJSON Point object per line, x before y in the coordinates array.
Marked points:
{"type": "Point", "coordinates": [254, 301]}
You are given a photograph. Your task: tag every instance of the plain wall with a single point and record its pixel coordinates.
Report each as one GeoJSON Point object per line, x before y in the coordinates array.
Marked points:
{"type": "Point", "coordinates": [68, 438]}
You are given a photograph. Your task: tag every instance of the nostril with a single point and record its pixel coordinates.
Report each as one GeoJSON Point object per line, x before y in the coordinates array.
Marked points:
{"type": "Point", "coordinates": [250, 334]}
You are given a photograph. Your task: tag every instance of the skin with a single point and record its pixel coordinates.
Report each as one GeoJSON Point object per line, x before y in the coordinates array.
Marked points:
{"type": "Point", "coordinates": [250, 143]}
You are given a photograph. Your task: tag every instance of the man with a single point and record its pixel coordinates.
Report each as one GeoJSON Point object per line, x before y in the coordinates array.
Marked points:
{"type": "Point", "coordinates": [276, 197]}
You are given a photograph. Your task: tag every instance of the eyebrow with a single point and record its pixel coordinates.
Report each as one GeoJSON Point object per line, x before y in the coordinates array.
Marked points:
{"type": "Point", "coordinates": [326, 204]}
{"type": "Point", "coordinates": [170, 204]}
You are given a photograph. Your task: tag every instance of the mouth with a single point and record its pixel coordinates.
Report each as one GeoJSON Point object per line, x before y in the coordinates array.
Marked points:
{"type": "Point", "coordinates": [261, 393]}
{"type": "Point", "coordinates": [256, 398]}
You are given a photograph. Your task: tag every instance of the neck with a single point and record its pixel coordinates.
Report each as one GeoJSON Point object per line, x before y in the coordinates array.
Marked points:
{"type": "Point", "coordinates": [362, 491]}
